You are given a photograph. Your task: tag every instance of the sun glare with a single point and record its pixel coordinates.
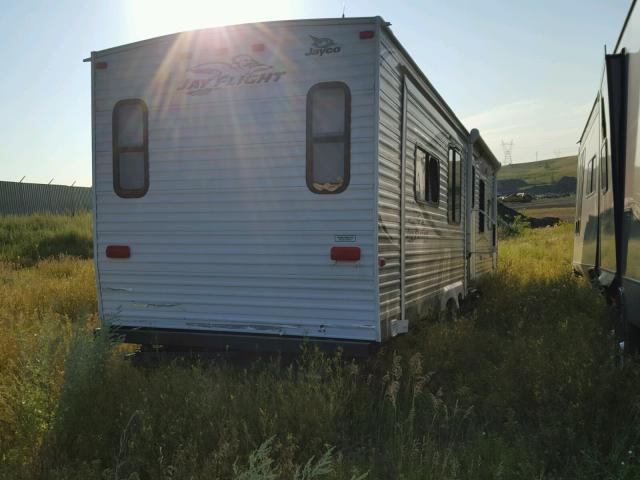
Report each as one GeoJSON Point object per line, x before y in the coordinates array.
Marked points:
{"type": "Point", "coordinates": [150, 18]}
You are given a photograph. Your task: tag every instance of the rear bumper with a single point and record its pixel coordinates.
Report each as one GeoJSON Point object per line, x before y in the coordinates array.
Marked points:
{"type": "Point", "coordinates": [225, 341]}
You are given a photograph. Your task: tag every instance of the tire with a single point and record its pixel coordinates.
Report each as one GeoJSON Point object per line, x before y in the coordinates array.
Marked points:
{"type": "Point", "coordinates": [451, 310]}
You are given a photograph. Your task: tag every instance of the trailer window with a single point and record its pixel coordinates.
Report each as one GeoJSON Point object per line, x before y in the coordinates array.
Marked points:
{"type": "Point", "coordinates": [130, 148]}
{"type": "Point", "coordinates": [603, 119]}
{"type": "Point", "coordinates": [433, 180]}
{"type": "Point", "coordinates": [427, 177]}
{"type": "Point", "coordinates": [455, 188]}
{"type": "Point", "coordinates": [328, 137]}
{"type": "Point", "coordinates": [473, 187]}
{"type": "Point", "coordinates": [420, 182]}
{"type": "Point", "coordinates": [590, 175]}
{"type": "Point", "coordinates": [579, 194]}
{"type": "Point", "coordinates": [604, 168]}
{"type": "Point", "coordinates": [481, 203]}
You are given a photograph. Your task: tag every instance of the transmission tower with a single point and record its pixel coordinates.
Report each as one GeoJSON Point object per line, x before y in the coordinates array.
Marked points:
{"type": "Point", "coordinates": [507, 148]}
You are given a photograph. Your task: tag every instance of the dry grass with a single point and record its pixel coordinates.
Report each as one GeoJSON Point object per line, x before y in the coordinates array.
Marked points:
{"type": "Point", "coordinates": [526, 385]}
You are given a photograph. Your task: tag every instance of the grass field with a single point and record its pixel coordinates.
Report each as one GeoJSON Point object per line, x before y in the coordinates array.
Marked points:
{"type": "Point", "coordinates": [525, 385]}
{"type": "Point", "coordinates": [542, 172]}
{"type": "Point", "coordinates": [563, 207]}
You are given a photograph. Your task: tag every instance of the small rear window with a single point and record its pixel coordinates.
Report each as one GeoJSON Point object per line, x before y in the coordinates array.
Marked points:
{"type": "Point", "coordinates": [328, 137]}
{"type": "Point", "coordinates": [130, 148]}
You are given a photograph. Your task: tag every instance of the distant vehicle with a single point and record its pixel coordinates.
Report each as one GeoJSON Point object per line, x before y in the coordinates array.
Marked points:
{"type": "Point", "coordinates": [262, 183]}
{"type": "Point", "coordinates": [607, 226]}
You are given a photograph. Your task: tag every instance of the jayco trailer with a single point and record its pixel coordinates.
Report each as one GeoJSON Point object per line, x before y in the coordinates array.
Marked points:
{"type": "Point", "coordinates": [263, 183]}
{"type": "Point", "coordinates": [607, 227]}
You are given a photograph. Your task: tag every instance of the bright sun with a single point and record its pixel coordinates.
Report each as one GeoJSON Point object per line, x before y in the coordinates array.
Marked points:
{"type": "Point", "coordinates": [151, 18]}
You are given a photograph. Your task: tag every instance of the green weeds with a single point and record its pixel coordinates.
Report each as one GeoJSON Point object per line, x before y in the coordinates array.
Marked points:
{"type": "Point", "coordinates": [526, 385]}
{"type": "Point", "coordinates": [26, 240]}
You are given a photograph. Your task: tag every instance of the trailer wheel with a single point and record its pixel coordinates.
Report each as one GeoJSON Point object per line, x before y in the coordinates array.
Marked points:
{"type": "Point", "coordinates": [451, 310]}
{"type": "Point", "coordinates": [632, 340]}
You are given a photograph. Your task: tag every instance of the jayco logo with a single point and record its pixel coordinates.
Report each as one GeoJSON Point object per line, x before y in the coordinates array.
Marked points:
{"type": "Point", "coordinates": [241, 71]}
{"type": "Point", "coordinates": [323, 46]}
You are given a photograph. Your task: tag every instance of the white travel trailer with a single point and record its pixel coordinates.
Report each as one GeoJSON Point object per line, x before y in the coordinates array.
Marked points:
{"type": "Point", "coordinates": [607, 228]}
{"type": "Point", "coordinates": [262, 183]}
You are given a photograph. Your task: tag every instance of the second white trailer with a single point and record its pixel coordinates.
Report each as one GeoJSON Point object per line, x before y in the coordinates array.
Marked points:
{"type": "Point", "coordinates": [258, 184]}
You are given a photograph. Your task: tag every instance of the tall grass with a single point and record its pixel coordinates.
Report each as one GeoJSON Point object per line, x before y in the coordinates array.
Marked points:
{"type": "Point", "coordinates": [525, 385]}
{"type": "Point", "coordinates": [24, 240]}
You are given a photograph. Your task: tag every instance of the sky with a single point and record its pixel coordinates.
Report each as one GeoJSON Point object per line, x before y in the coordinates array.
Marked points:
{"type": "Point", "coordinates": [521, 71]}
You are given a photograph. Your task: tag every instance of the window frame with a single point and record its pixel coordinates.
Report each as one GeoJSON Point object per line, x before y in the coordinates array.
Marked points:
{"type": "Point", "coordinates": [345, 138]}
{"type": "Point", "coordinates": [473, 186]}
{"type": "Point", "coordinates": [416, 196]}
{"type": "Point", "coordinates": [590, 173]}
{"type": "Point", "coordinates": [604, 168]}
{"type": "Point", "coordinates": [428, 156]}
{"type": "Point", "coordinates": [436, 202]}
{"type": "Point", "coordinates": [117, 150]}
{"type": "Point", "coordinates": [482, 200]}
{"type": "Point", "coordinates": [454, 197]}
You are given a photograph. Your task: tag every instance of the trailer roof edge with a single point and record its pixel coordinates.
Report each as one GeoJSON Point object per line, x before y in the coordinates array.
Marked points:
{"type": "Point", "coordinates": [476, 139]}
{"type": "Point", "coordinates": [309, 21]}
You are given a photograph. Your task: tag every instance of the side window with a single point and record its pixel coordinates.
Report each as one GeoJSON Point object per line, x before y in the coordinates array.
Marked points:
{"type": "Point", "coordinates": [579, 189]}
{"type": "Point", "coordinates": [130, 148]}
{"type": "Point", "coordinates": [433, 180]}
{"type": "Point", "coordinates": [455, 193]}
{"type": "Point", "coordinates": [328, 137]}
{"type": "Point", "coordinates": [604, 168]}
{"type": "Point", "coordinates": [473, 187]}
{"type": "Point", "coordinates": [481, 203]}
{"type": "Point", "coordinates": [603, 119]}
{"type": "Point", "coordinates": [590, 176]}
{"type": "Point", "coordinates": [420, 172]}
{"type": "Point", "coordinates": [604, 164]}
{"type": "Point", "coordinates": [489, 213]}
{"type": "Point", "coordinates": [426, 177]}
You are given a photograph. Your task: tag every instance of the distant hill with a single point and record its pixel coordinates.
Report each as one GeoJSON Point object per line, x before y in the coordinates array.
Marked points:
{"type": "Point", "coordinates": [555, 175]}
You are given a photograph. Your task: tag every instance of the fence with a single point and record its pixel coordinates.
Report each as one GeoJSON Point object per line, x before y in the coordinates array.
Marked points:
{"type": "Point", "coordinates": [26, 198]}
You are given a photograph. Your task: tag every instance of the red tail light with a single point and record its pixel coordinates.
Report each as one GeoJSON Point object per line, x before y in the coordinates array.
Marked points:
{"type": "Point", "coordinates": [345, 254]}
{"type": "Point", "coordinates": [118, 251]}
{"type": "Point", "coordinates": [366, 34]}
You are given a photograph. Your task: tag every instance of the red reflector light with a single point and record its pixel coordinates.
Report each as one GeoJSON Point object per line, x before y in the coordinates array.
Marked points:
{"type": "Point", "coordinates": [345, 254]}
{"type": "Point", "coordinates": [382, 261]}
{"type": "Point", "coordinates": [258, 47]}
{"type": "Point", "coordinates": [118, 251]}
{"type": "Point", "coordinates": [366, 34]}
{"type": "Point", "coordinates": [101, 65]}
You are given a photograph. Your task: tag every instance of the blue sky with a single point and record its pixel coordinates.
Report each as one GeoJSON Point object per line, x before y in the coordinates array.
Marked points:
{"type": "Point", "coordinates": [525, 71]}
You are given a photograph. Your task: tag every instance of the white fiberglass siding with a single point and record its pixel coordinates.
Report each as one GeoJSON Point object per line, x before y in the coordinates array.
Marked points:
{"type": "Point", "coordinates": [228, 236]}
